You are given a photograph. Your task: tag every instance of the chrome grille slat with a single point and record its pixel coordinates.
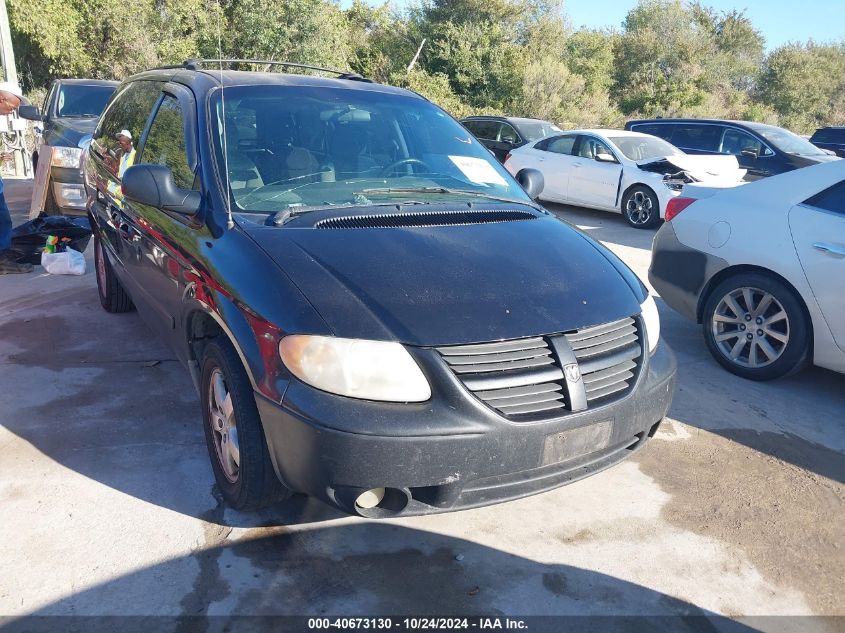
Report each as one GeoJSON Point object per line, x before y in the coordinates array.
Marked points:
{"type": "Point", "coordinates": [522, 378]}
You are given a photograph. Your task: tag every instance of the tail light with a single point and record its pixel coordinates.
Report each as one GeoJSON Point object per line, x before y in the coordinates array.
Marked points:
{"type": "Point", "coordinates": [676, 205]}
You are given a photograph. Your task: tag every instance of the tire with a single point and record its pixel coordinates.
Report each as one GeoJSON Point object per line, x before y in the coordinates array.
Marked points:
{"type": "Point", "coordinates": [775, 339]}
{"type": "Point", "coordinates": [246, 480]}
{"type": "Point", "coordinates": [641, 208]}
{"type": "Point", "coordinates": [113, 296]}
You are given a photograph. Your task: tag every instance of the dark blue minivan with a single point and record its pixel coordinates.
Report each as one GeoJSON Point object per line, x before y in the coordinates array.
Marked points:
{"type": "Point", "coordinates": [763, 150]}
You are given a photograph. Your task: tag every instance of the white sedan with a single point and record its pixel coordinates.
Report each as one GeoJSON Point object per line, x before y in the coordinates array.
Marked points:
{"type": "Point", "coordinates": [761, 267]}
{"type": "Point", "coordinates": [615, 170]}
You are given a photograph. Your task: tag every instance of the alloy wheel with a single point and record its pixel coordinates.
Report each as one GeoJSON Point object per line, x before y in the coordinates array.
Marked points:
{"type": "Point", "coordinates": [750, 327]}
{"type": "Point", "coordinates": [639, 208]}
{"type": "Point", "coordinates": [223, 425]}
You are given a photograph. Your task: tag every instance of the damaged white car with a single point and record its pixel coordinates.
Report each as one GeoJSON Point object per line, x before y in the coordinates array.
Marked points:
{"type": "Point", "coordinates": [615, 170]}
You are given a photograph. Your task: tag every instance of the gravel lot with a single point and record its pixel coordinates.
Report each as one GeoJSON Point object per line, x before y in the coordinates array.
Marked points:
{"type": "Point", "coordinates": [735, 508]}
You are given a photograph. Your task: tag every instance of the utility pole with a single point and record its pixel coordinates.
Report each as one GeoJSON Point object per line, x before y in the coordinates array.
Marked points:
{"type": "Point", "coordinates": [414, 61]}
{"type": "Point", "coordinates": [6, 53]}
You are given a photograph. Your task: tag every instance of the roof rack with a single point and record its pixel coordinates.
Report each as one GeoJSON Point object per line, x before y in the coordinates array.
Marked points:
{"type": "Point", "coordinates": [203, 64]}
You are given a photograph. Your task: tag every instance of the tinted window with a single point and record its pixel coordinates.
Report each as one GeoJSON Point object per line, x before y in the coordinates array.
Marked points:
{"type": "Point", "coordinates": [165, 144]}
{"type": "Point", "coordinates": [590, 147]}
{"type": "Point", "coordinates": [559, 144]}
{"type": "Point", "coordinates": [533, 130]}
{"type": "Point", "coordinates": [488, 130]}
{"type": "Point", "coordinates": [734, 141]}
{"type": "Point", "coordinates": [311, 146]}
{"type": "Point", "coordinates": [700, 137]}
{"type": "Point", "coordinates": [663, 130]}
{"type": "Point", "coordinates": [831, 199]}
{"type": "Point", "coordinates": [825, 135]}
{"type": "Point", "coordinates": [79, 100]}
{"type": "Point", "coordinates": [508, 134]}
{"type": "Point", "coordinates": [129, 111]}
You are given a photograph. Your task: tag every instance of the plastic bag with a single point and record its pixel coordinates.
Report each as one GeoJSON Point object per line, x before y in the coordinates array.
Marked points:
{"type": "Point", "coordinates": [28, 238]}
{"type": "Point", "coordinates": [68, 262]}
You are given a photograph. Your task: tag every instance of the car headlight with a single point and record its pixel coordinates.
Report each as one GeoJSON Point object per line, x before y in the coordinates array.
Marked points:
{"type": "Point", "coordinates": [371, 370]}
{"type": "Point", "coordinates": [652, 322]}
{"type": "Point", "coordinates": [66, 157]}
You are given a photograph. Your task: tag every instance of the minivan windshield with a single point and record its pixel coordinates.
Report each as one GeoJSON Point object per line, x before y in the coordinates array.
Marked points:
{"type": "Point", "coordinates": [306, 147]}
{"type": "Point", "coordinates": [639, 148]}
{"type": "Point", "coordinates": [81, 100]}
{"type": "Point", "coordinates": [535, 130]}
{"type": "Point", "coordinates": [786, 141]}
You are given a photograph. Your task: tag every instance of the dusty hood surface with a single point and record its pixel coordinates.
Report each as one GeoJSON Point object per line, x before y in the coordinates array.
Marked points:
{"type": "Point", "coordinates": [702, 168]}
{"type": "Point", "coordinates": [447, 285]}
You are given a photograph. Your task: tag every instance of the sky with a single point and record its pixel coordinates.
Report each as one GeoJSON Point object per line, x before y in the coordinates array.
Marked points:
{"type": "Point", "coordinates": [780, 21]}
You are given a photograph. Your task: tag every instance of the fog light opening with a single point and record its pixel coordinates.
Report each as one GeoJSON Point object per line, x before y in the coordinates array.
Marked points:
{"type": "Point", "coordinates": [370, 498]}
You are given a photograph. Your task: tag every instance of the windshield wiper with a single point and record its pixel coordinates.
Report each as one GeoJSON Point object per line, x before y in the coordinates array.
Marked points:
{"type": "Point", "coordinates": [280, 218]}
{"type": "Point", "coordinates": [442, 190]}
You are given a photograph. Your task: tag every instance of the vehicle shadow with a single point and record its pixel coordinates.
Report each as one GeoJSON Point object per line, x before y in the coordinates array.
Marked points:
{"type": "Point", "coordinates": [364, 569]}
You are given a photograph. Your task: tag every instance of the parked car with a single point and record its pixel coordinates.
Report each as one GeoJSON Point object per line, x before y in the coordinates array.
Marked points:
{"type": "Point", "coordinates": [761, 268]}
{"type": "Point", "coordinates": [373, 310]}
{"type": "Point", "coordinates": [69, 113]}
{"type": "Point", "coordinates": [763, 150]}
{"type": "Point", "coordinates": [501, 134]}
{"type": "Point", "coordinates": [831, 139]}
{"type": "Point", "coordinates": [614, 170]}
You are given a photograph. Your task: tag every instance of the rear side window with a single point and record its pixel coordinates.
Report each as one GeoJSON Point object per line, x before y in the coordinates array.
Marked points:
{"type": "Point", "coordinates": [700, 137]}
{"type": "Point", "coordinates": [129, 111]}
{"type": "Point", "coordinates": [662, 130]}
{"type": "Point", "coordinates": [558, 144]}
{"type": "Point", "coordinates": [831, 199]}
{"type": "Point", "coordinates": [165, 144]}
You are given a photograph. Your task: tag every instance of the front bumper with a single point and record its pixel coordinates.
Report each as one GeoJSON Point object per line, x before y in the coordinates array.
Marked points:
{"type": "Point", "coordinates": [453, 452]}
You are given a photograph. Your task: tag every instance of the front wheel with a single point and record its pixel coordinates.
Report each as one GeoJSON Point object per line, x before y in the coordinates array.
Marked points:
{"type": "Point", "coordinates": [641, 208]}
{"type": "Point", "coordinates": [233, 432]}
{"type": "Point", "coordinates": [113, 296]}
{"type": "Point", "coordinates": [755, 327]}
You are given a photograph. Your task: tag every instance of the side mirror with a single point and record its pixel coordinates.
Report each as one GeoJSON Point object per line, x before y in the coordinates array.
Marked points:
{"type": "Point", "coordinates": [153, 185]}
{"type": "Point", "coordinates": [750, 152]}
{"type": "Point", "coordinates": [605, 158]}
{"type": "Point", "coordinates": [532, 181]}
{"type": "Point", "coordinates": [30, 113]}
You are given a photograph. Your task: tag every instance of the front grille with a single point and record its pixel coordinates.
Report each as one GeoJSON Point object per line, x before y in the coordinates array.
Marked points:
{"type": "Point", "coordinates": [424, 218]}
{"type": "Point", "coordinates": [523, 380]}
{"type": "Point", "coordinates": [606, 357]}
{"type": "Point", "coordinates": [517, 378]}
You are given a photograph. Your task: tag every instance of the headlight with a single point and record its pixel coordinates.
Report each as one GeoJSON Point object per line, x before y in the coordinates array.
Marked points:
{"type": "Point", "coordinates": [372, 370]}
{"type": "Point", "coordinates": [66, 157]}
{"type": "Point", "coordinates": [652, 322]}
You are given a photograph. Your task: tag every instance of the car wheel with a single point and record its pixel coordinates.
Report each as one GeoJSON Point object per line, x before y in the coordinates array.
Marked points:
{"type": "Point", "coordinates": [641, 208]}
{"type": "Point", "coordinates": [755, 327]}
{"type": "Point", "coordinates": [113, 296]}
{"type": "Point", "coordinates": [233, 431]}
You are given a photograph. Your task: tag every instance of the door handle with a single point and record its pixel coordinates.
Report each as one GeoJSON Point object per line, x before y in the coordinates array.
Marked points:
{"type": "Point", "coordinates": [836, 251]}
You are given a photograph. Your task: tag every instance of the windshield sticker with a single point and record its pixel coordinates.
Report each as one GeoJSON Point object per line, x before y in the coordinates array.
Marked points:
{"type": "Point", "coordinates": [478, 170]}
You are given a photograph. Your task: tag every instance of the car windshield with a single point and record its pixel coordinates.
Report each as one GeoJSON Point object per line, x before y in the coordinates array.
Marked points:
{"type": "Point", "coordinates": [639, 148]}
{"type": "Point", "coordinates": [787, 142]}
{"type": "Point", "coordinates": [308, 147]}
{"type": "Point", "coordinates": [535, 130]}
{"type": "Point", "coordinates": [80, 100]}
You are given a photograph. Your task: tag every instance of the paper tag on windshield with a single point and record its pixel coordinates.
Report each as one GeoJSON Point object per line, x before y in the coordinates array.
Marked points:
{"type": "Point", "coordinates": [478, 170]}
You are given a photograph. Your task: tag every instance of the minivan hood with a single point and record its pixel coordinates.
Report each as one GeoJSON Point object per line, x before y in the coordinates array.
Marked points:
{"type": "Point", "coordinates": [702, 167]}
{"type": "Point", "coordinates": [448, 285]}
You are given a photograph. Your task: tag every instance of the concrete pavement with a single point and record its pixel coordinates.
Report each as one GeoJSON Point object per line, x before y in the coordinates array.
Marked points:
{"type": "Point", "coordinates": [108, 507]}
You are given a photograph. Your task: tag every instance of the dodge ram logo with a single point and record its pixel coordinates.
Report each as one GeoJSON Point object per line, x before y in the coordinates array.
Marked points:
{"type": "Point", "coordinates": [572, 373]}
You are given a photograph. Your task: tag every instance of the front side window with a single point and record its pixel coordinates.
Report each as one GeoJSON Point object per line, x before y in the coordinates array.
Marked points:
{"type": "Point", "coordinates": [165, 144]}
{"type": "Point", "coordinates": [122, 124]}
{"type": "Point", "coordinates": [591, 147]}
{"type": "Point", "coordinates": [311, 146]}
{"type": "Point", "coordinates": [735, 141]}
{"type": "Point", "coordinates": [487, 130]}
{"type": "Point", "coordinates": [508, 134]}
{"type": "Point", "coordinates": [831, 199]}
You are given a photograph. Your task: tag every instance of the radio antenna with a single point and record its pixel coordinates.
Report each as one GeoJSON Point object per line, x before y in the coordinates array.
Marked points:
{"type": "Point", "coordinates": [230, 223]}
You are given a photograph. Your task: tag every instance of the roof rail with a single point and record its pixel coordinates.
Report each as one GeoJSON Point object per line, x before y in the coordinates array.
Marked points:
{"type": "Point", "coordinates": [203, 64]}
